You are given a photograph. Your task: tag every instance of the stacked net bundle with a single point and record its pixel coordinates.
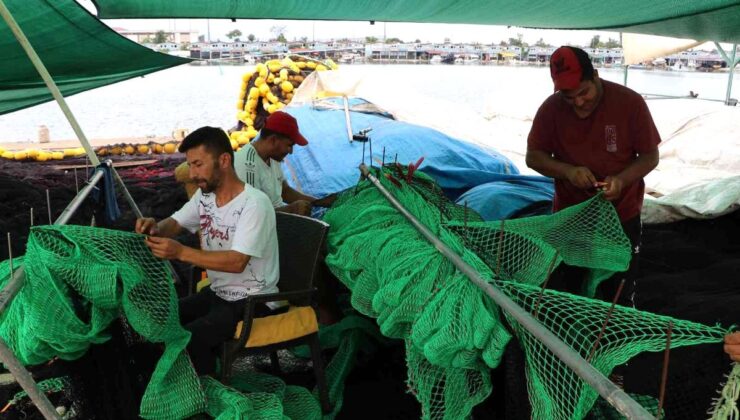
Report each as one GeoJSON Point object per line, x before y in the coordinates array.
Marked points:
{"type": "Point", "coordinates": [78, 280]}
{"type": "Point", "coordinates": [453, 331]}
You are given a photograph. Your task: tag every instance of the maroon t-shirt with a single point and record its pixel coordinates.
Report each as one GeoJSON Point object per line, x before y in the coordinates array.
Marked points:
{"type": "Point", "coordinates": [606, 142]}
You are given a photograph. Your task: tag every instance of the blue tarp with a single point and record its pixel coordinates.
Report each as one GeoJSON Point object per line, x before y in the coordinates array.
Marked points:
{"type": "Point", "coordinates": [330, 161]}
{"type": "Point", "coordinates": [510, 196]}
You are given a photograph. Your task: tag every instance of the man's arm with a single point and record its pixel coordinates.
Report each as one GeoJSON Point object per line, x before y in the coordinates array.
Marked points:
{"type": "Point", "coordinates": [290, 195]}
{"type": "Point", "coordinates": [544, 163]}
{"type": "Point", "coordinates": [167, 228]}
{"type": "Point", "coordinates": [225, 261]}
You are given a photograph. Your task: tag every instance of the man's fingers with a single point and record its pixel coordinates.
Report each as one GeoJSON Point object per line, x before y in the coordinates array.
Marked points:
{"type": "Point", "coordinates": [591, 178]}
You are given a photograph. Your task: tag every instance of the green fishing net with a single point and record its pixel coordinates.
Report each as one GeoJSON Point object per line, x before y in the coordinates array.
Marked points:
{"type": "Point", "coordinates": [454, 333]}
{"type": "Point", "coordinates": [79, 279]}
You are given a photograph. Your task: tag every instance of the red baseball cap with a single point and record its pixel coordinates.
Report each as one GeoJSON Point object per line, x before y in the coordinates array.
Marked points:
{"type": "Point", "coordinates": [284, 123]}
{"type": "Point", "coordinates": [565, 69]}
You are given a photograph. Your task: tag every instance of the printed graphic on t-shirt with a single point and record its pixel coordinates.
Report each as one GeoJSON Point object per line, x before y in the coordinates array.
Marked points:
{"type": "Point", "coordinates": [214, 230]}
{"type": "Point", "coordinates": [610, 134]}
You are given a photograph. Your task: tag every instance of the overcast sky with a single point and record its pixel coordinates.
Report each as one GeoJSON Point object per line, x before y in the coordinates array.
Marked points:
{"type": "Point", "coordinates": [324, 30]}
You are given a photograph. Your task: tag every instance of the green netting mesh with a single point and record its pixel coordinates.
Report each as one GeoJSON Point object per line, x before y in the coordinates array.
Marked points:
{"type": "Point", "coordinates": [79, 279]}
{"type": "Point", "coordinates": [453, 332]}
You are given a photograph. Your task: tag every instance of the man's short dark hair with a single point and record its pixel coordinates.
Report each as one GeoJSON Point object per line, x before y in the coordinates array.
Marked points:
{"type": "Point", "coordinates": [587, 68]}
{"type": "Point", "coordinates": [215, 141]}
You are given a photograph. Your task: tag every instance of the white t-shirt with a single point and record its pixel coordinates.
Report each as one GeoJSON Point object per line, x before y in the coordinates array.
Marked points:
{"type": "Point", "coordinates": [252, 170]}
{"type": "Point", "coordinates": [246, 224]}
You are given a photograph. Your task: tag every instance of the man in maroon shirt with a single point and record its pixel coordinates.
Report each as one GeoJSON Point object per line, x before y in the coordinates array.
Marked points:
{"type": "Point", "coordinates": [592, 135]}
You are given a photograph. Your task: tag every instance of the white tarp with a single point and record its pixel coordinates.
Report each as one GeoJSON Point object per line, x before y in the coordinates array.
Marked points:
{"type": "Point", "coordinates": [639, 48]}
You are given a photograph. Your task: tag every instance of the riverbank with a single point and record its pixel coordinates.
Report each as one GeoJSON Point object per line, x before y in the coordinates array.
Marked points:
{"type": "Point", "coordinates": [72, 143]}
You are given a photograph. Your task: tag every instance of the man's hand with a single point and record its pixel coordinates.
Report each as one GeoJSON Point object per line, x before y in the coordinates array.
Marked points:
{"type": "Point", "coordinates": [327, 201]}
{"type": "Point", "coordinates": [147, 226]}
{"type": "Point", "coordinates": [300, 207]}
{"type": "Point", "coordinates": [581, 177]}
{"type": "Point", "coordinates": [732, 346]}
{"type": "Point", "coordinates": [613, 188]}
{"type": "Point", "coordinates": [165, 248]}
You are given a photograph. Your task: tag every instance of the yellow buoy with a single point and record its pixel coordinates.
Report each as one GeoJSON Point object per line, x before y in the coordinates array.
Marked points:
{"type": "Point", "coordinates": [261, 69]}
{"type": "Point", "coordinates": [243, 139]}
{"type": "Point", "coordinates": [246, 76]}
{"type": "Point", "coordinates": [102, 151]}
{"type": "Point", "coordinates": [286, 86]}
{"type": "Point", "coordinates": [43, 157]}
{"type": "Point", "coordinates": [170, 148]}
{"type": "Point", "coordinates": [243, 86]}
{"type": "Point", "coordinates": [240, 104]}
{"type": "Point", "coordinates": [33, 153]}
{"type": "Point", "coordinates": [69, 152]}
{"type": "Point", "coordinates": [301, 64]}
{"type": "Point", "coordinates": [251, 133]}
{"type": "Point", "coordinates": [158, 148]}
{"type": "Point", "coordinates": [234, 144]}
{"type": "Point", "coordinates": [57, 155]}
{"type": "Point", "coordinates": [116, 150]}
{"type": "Point", "coordinates": [264, 89]}
{"type": "Point", "coordinates": [320, 67]}
{"type": "Point", "coordinates": [129, 149]}
{"type": "Point", "coordinates": [311, 65]}
{"type": "Point", "coordinates": [259, 81]}
{"type": "Point", "coordinates": [142, 149]}
{"type": "Point", "coordinates": [22, 155]}
{"type": "Point", "coordinates": [254, 92]}
{"type": "Point", "coordinates": [284, 74]}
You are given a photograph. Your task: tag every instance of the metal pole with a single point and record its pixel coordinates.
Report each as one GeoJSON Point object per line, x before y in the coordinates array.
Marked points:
{"type": "Point", "coordinates": [347, 121]}
{"type": "Point", "coordinates": [626, 68]}
{"type": "Point", "coordinates": [27, 383]}
{"type": "Point", "coordinates": [610, 392]}
{"type": "Point", "coordinates": [76, 202]}
{"type": "Point", "coordinates": [731, 63]}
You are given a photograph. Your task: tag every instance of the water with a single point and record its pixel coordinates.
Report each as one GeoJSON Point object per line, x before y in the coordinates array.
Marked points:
{"type": "Point", "coordinates": [192, 96]}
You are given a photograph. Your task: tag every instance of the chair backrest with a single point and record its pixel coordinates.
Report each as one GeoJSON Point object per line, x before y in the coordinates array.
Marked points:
{"type": "Point", "coordinates": [300, 240]}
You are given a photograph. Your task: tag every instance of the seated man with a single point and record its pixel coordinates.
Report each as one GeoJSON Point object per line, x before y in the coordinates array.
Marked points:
{"type": "Point", "coordinates": [239, 247]}
{"type": "Point", "coordinates": [258, 164]}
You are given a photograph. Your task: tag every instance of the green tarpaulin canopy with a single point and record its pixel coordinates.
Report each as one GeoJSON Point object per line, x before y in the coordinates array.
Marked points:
{"type": "Point", "coordinates": [79, 51]}
{"type": "Point", "coordinates": [715, 20]}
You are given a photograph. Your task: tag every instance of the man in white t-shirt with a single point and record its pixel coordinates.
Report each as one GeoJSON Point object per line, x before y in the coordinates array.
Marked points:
{"type": "Point", "coordinates": [258, 164]}
{"type": "Point", "coordinates": [239, 247]}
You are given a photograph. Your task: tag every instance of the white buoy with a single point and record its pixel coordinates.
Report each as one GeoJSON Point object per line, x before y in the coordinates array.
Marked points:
{"type": "Point", "coordinates": [43, 134]}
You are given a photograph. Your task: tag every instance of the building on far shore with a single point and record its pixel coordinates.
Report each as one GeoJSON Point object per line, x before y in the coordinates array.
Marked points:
{"type": "Point", "coordinates": [142, 36]}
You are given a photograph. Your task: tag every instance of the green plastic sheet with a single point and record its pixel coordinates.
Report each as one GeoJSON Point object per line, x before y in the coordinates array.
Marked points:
{"type": "Point", "coordinates": [80, 52]}
{"type": "Point", "coordinates": [714, 20]}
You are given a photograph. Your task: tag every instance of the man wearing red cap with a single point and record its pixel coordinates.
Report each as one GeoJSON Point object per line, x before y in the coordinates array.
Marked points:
{"type": "Point", "coordinates": [258, 164]}
{"type": "Point", "coordinates": [594, 135]}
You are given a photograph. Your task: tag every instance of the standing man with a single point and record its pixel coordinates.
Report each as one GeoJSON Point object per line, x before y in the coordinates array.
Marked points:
{"type": "Point", "coordinates": [258, 164]}
{"type": "Point", "coordinates": [239, 247]}
{"type": "Point", "coordinates": [593, 135]}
